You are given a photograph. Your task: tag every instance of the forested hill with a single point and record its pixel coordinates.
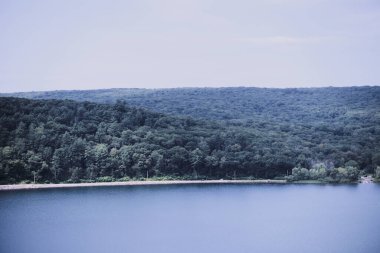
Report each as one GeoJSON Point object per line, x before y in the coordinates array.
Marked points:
{"type": "Point", "coordinates": [63, 140]}
{"type": "Point", "coordinates": [314, 105]}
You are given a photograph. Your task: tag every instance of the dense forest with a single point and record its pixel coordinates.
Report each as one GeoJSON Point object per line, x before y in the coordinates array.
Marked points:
{"type": "Point", "coordinates": [330, 134]}
{"type": "Point", "coordinates": [318, 106]}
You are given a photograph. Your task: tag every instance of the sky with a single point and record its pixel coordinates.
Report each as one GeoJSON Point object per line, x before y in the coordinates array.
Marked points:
{"type": "Point", "coordinates": [94, 44]}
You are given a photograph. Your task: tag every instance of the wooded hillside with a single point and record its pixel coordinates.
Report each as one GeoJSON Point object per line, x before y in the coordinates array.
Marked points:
{"type": "Point", "coordinates": [66, 140]}
{"type": "Point", "coordinates": [309, 105]}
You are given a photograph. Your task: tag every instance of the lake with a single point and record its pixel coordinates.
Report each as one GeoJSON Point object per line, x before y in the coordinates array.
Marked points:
{"type": "Point", "coordinates": [192, 218]}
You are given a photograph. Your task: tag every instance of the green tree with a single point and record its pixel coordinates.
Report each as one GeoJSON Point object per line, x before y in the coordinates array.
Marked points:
{"type": "Point", "coordinates": [197, 161]}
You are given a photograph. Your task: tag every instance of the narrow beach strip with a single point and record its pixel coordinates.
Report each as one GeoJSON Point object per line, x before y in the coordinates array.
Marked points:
{"type": "Point", "coordinates": [133, 183]}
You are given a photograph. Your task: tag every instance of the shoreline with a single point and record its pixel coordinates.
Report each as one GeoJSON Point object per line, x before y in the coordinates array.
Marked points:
{"type": "Point", "coordinates": [11, 187]}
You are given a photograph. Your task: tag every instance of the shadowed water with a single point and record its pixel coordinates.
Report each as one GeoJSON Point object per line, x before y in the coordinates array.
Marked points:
{"type": "Point", "coordinates": [192, 218]}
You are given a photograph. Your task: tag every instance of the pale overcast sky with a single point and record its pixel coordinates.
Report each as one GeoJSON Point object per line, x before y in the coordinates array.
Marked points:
{"type": "Point", "coordinates": [74, 44]}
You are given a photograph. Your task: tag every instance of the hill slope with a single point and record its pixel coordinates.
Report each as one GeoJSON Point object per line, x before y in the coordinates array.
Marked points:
{"type": "Point", "coordinates": [319, 105]}
{"type": "Point", "coordinates": [67, 140]}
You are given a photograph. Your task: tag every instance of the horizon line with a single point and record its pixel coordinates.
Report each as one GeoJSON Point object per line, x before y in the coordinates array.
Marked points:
{"type": "Point", "coordinates": [196, 87]}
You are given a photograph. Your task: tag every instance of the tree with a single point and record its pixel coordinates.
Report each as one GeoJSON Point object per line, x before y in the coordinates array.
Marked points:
{"type": "Point", "coordinates": [100, 157]}
{"type": "Point", "coordinates": [211, 163]}
{"type": "Point", "coordinates": [60, 164]}
{"type": "Point", "coordinates": [377, 172]}
{"type": "Point", "coordinates": [34, 163]}
{"type": "Point", "coordinates": [45, 173]}
{"type": "Point", "coordinates": [197, 161]}
{"type": "Point", "coordinates": [16, 170]}
{"type": "Point", "coordinates": [300, 174]}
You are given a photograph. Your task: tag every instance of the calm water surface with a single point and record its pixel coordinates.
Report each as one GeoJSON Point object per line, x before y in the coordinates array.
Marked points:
{"type": "Point", "coordinates": [203, 218]}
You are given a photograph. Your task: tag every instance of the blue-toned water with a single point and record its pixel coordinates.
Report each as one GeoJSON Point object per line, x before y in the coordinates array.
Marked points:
{"type": "Point", "coordinates": [192, 218]}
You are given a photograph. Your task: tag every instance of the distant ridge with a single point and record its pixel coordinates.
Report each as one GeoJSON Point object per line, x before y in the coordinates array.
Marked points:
{"type": "Point", "coordinates": [232, 103]}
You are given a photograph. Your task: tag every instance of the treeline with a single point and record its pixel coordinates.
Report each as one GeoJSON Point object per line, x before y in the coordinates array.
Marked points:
{"type": "Point", "coordinates": [62, 140]}
{"type": "Point", "coordinates": [320, 173]}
